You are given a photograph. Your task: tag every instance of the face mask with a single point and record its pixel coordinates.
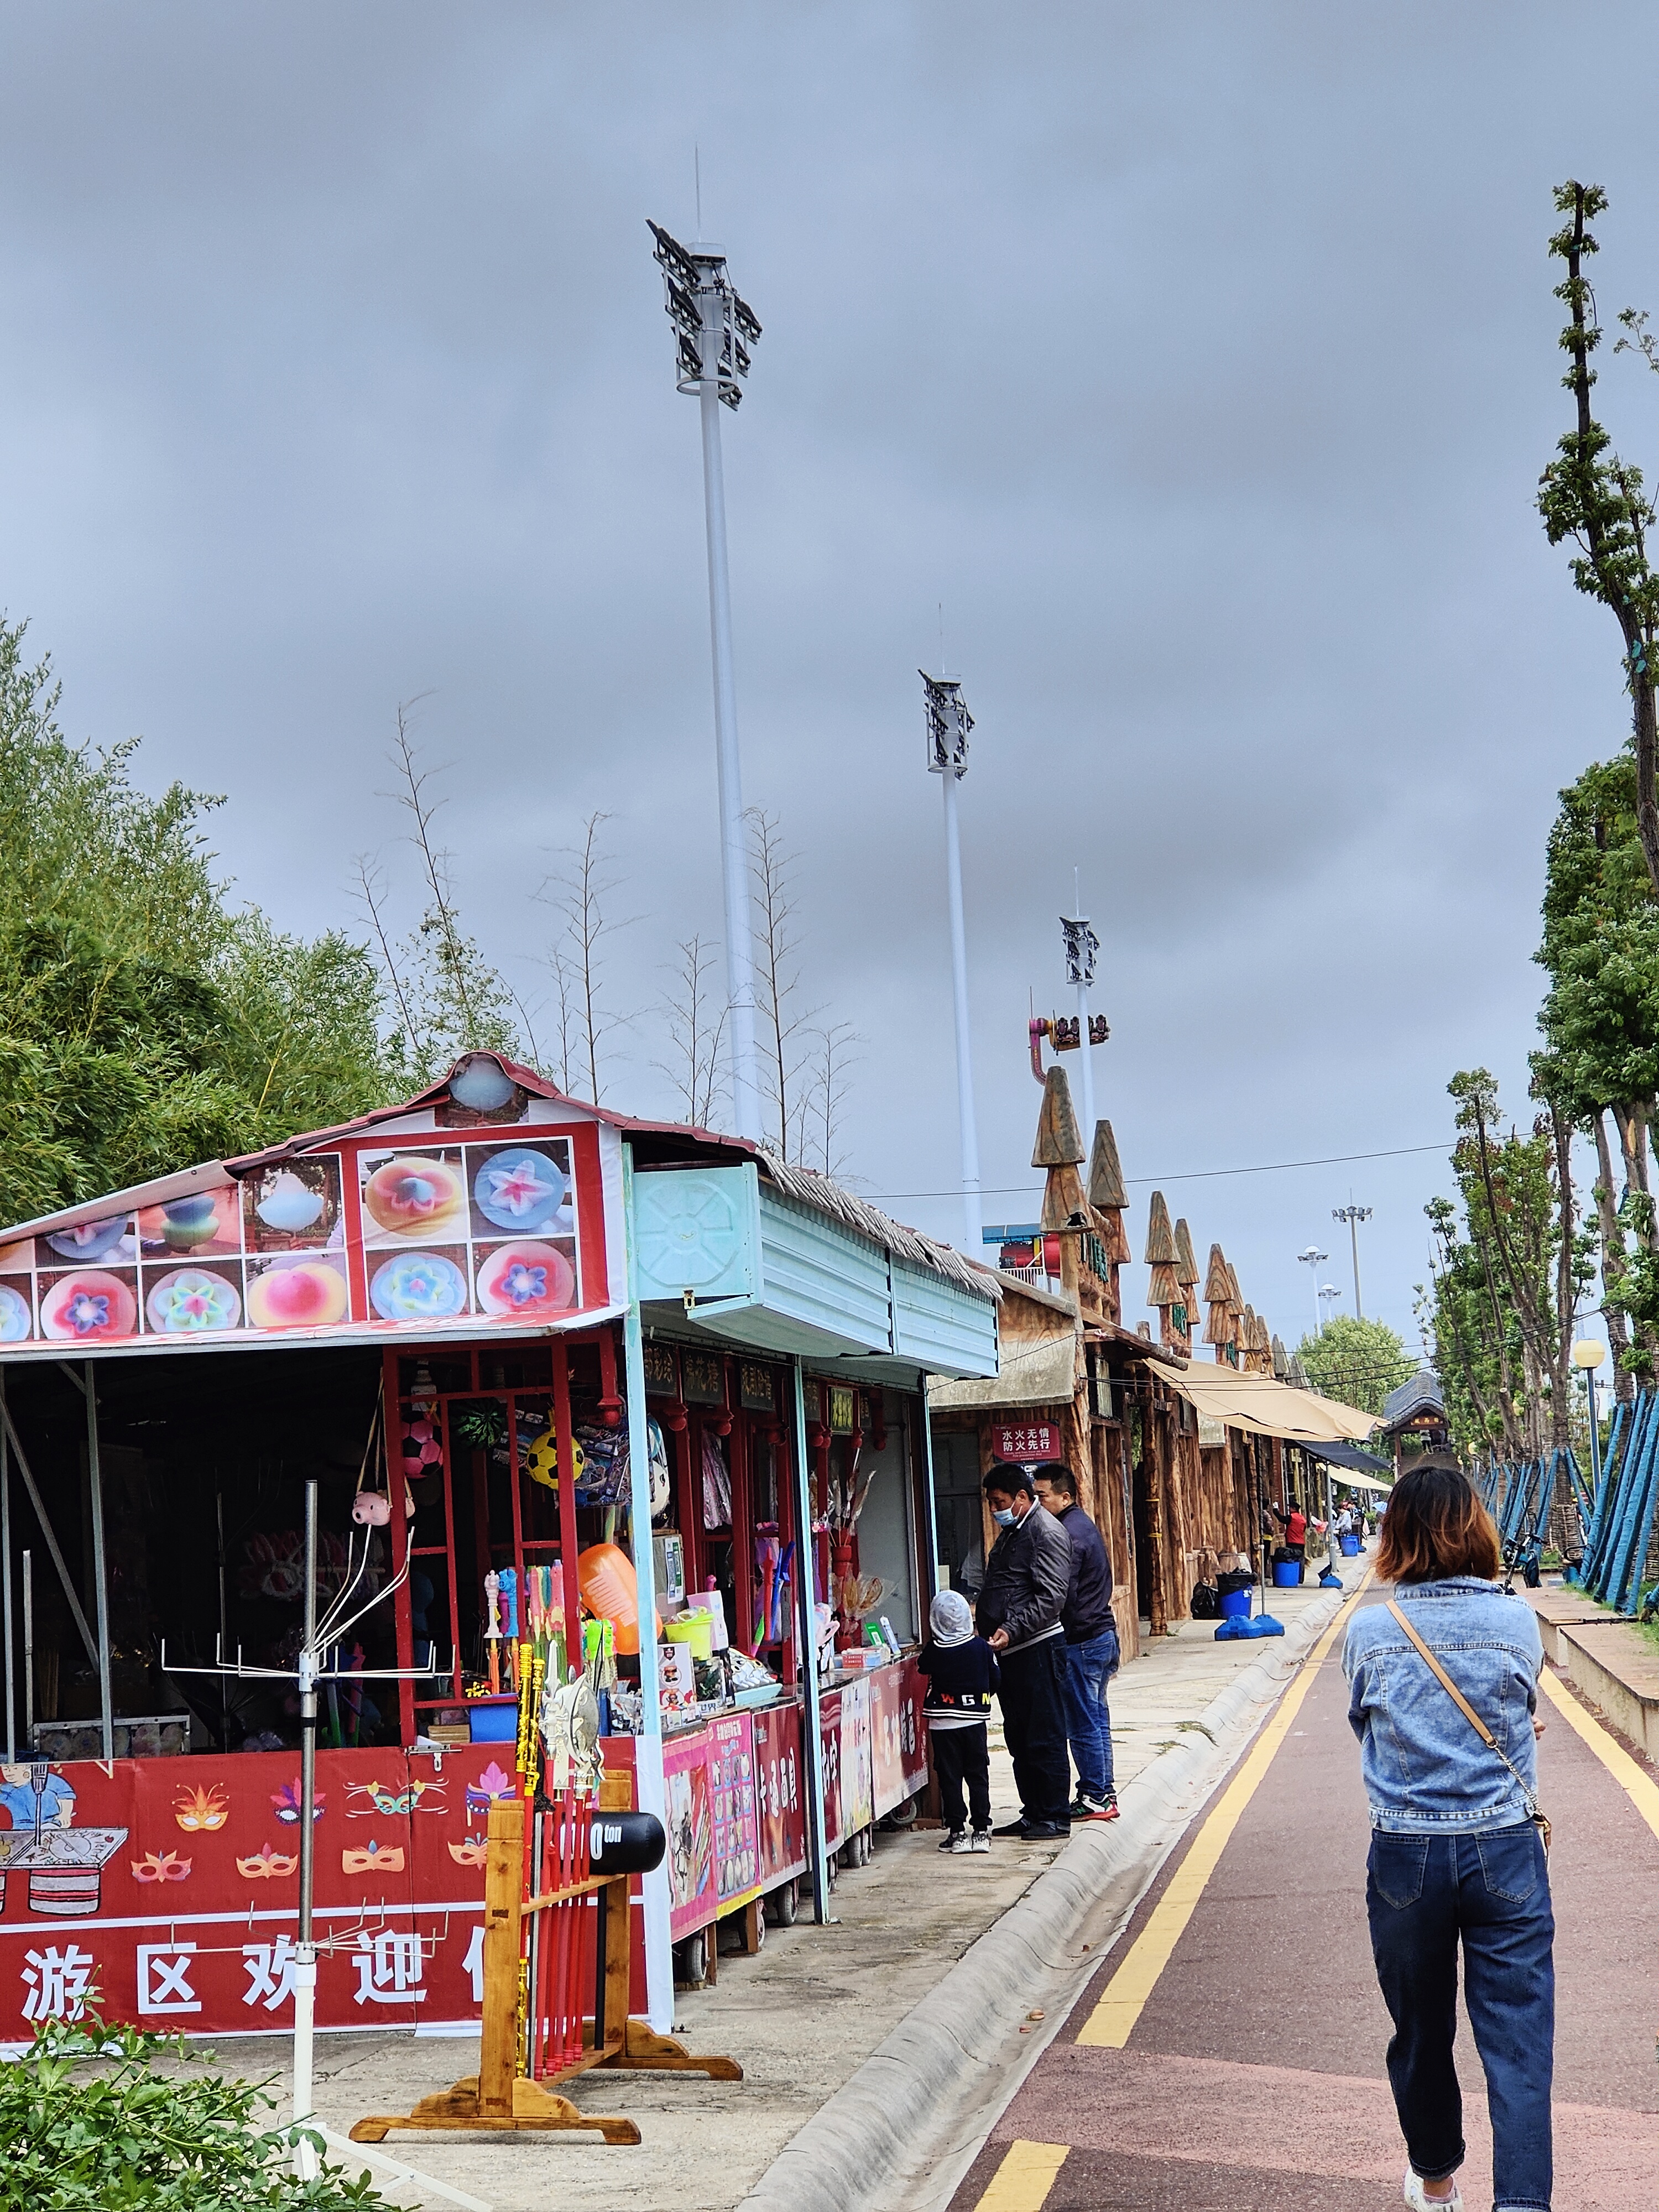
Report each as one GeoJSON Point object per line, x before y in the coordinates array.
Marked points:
{"type": "Point", "coordinates": [1005, 1518]}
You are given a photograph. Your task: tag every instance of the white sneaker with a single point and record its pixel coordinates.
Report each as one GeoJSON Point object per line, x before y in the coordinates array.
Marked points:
{"type": "Point", "coordinates": [1420, 2202]}
{"type": "Point", "coordinates": [961, 1841]}
{"type": "Point", "coordinates": [981, 1841]}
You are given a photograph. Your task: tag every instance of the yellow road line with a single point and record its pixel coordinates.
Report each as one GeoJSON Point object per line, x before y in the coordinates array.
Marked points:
{"type": "Point", "coordinates": [1112, 2022]}
{"type": "Point", "coordinates": [1641, 1789]}
{"type": "Point", "coordinates": [1022, 2182]}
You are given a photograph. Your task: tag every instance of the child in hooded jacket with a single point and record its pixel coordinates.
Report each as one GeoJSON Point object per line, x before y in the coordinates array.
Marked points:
{"type": "Point", "coordinates": [961, 1677]}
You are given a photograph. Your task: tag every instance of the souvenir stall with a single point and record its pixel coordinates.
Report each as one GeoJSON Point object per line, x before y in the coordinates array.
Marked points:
{"type": "Point", "coordinates": [429, 1313]}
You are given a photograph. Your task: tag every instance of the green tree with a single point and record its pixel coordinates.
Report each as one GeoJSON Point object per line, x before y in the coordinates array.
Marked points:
{"type": "Point", "coordinates": [1356, 1361]}
{"type": "Point", "coordinates": [1507, 1276]}
{"type": "Point", "coordinates": [145, 1024]}
{"type": "Point", "coordinates": [1601, 1024]}
{"type": "Point", "coordinates": [1590, 495]}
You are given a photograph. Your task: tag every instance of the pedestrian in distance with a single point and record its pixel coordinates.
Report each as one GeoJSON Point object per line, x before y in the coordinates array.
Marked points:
{"type": "Point", "coordinates": [1089, 1656]}
{"type": "Point", "coordinates": [1026, 1578]}
{"type": "Point", "coordinates": [1443, 1694]}
{"type": "Point", "coordinates": [1293, 1526]}
{"type": "Point", "coordinates": [962, 1674]}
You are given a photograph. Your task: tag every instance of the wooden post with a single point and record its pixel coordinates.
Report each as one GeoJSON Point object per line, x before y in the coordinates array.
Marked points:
{"type": "Point", "coordinates": [498, 2051]}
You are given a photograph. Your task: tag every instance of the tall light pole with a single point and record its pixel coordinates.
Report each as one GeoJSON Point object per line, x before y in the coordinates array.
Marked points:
{"type": "Point", "coordinates": [1081, 946]}
{"type": "Point", "coordinates": [948, 725]}
{"type": "Point", "coordinates": [1329, 1295]}
{"type": "Point", "coordinates": [1353, 1215]}
{"type": "Point", "coordinates": [714, 331]}
{"type": "Point", "coordinates": [1311, 1259]}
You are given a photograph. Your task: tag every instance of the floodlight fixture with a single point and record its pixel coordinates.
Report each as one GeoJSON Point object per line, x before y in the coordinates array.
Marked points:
{"type": "Point", "coordinates": [713, 327]}
{"type": "Point", "coordinates": [1081, 945]}
{"type": "Point", "coordinates": [948, 725]}
{"type": "Point", "coordinates": [714, 331]}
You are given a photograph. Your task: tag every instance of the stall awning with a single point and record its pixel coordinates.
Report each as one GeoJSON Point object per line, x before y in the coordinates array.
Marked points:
{"type": "Point", "coordinates": [1262, 1405]}
{"type": "Point", "coordinates": [1040, 1374]}
{"type": "Point", "coordinates": [1354, 1465]}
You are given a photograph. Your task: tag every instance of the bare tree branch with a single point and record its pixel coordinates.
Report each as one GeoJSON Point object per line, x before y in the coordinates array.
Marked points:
{"type": "Point", "coordinates": [773, 869]}
{"type": "Point", "coordinates": [577, 892]}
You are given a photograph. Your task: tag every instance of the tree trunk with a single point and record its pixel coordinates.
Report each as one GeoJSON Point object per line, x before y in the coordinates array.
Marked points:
{"type": "Point", "coordinates": [1613, 1264]}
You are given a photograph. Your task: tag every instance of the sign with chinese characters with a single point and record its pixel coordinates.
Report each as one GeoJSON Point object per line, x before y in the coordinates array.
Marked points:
{"type": "Point", "coordinates": [1025, 1442]}
{"type": "Point", "coordinates": [702, 1378]}
{"type": "Point", "coordinates": [756, 1388]}
{"type": "Point", "coordinates": [418, 1233]}
{"type": "Point", "coordinates": [164, 1893]}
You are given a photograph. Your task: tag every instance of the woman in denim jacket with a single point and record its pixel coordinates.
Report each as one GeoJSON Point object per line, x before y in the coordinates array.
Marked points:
{"type": "Point", "coordinates": [1454, 1852]}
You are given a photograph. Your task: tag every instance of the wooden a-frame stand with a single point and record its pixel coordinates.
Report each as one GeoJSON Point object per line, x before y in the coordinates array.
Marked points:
{"type": "Point", "coordinates": [498, 2096]}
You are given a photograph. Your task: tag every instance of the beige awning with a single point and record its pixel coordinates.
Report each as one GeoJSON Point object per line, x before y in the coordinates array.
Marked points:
{"type": "Point", "coordinates": [1040, 1374]}
{"type": "Point", "coordinates": [1263, 1406]}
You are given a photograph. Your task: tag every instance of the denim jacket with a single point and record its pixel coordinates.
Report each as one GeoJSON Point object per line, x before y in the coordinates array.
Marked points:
{"type": "Point", "coordinates": [1426, 1771]}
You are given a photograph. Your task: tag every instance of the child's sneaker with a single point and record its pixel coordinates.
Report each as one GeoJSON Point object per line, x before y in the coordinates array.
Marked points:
{"type": "Point", "coordinates": [961, 1841]}
{"type": "Point", "coordinates": [981, 1840]}
{"type": "Point", "coordinates": [952, 1837]}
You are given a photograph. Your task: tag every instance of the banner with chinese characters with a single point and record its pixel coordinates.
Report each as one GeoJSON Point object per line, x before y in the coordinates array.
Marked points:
{"type": "Point", "coordinates": [1025, 1442]}
{"type": "Point", "coordinates": [416, 1232]}
{"type": "Point", "coordinates": [780, 1788]}
{"type": "Point", "coordinates": [164, 1893]}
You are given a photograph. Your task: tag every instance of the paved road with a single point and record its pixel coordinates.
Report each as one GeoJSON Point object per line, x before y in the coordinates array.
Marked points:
{"type": "Point", "coordinates": [1227, 2057]}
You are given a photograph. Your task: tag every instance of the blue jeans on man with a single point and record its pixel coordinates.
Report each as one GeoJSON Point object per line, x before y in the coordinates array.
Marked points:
{"type": "Point", "coordinates": [1490, 1888]}
{"type": "Point", "coordinates": [1086, 1669]}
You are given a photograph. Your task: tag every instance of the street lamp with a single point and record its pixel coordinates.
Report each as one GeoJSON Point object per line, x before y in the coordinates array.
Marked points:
{"type": "Point", "coordinates": [1587, 1356]}
{"type": "Point", "coordinates": [1311, 1259]}
{"type": "Point", "coordinates": [714, 331]}
{"type": "Point", "coordinates": [1329, 1295]}
{"type": "Point", "coordinates": [948, 725]}
{"type": "Point", "coordinates": [1081, 946]}
{"type": "Point", "coordinates": [1353, 1215]}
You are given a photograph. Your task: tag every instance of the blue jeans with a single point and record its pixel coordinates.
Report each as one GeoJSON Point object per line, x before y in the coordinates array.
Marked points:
{"type": "Point", "coordinates": [1086, 1669]}
{"type": "Point", "coordinates": [1491, 1889]}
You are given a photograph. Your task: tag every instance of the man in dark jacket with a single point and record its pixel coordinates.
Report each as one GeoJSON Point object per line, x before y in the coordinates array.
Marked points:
{"type": "Point", "coordinates": [1090, 1656]}
{"type": "Point", "coordinates": [1026, 1578]}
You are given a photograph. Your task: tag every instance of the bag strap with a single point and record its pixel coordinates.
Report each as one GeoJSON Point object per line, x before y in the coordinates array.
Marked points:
{"type": "Point", "coordinates": [1464, 1706]}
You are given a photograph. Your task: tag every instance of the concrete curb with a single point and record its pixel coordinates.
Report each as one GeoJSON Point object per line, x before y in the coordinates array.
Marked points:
{"type": "Point", "coordinates": [901, 2133]}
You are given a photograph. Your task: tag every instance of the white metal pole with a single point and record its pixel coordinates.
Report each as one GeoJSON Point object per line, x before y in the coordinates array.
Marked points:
{"type": "Point", "coordinates": [1319, 1318]}
{"type": "Point", "coordinates": [1353, 1232]}
{"type": "Point", "coordinates": [1088, 1071]}
{"type": "Point", "coordinates": [305, 1951]}
{"type": "Point", "coordinates": [649, 1795]}
{"type": "Point", "coordinates": [973, 1218]}
{"type": "Point", "coordinates": [734, 830]}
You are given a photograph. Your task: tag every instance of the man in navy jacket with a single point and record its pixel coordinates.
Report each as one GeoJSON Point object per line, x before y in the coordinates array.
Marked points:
{"type": "Point", "coordinates": [1019, 1614]}
{"type": "Point", "coordinates": [1089, 1656]}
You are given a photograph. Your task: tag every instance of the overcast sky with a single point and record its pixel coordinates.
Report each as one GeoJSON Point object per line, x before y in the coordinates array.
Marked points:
{"type": "Point", "coordinates": [1199, 360]}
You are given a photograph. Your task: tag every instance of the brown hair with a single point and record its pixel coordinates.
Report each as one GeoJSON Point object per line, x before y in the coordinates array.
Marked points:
{"type": "Point", "coordinates": [1435, 1526]}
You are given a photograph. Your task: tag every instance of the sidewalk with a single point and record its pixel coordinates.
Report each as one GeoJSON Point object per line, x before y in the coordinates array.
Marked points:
{"type": "Point", "coordinates": [803, 2015]}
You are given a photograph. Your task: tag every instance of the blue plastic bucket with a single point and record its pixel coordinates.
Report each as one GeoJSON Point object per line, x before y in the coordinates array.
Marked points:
{"type": "Point", "coordinates": [1350, 1546]}
{"type": "Point", "coordinates": [1286, 1575]}
{"type": "Point", "coordinates": [1235, 1605]}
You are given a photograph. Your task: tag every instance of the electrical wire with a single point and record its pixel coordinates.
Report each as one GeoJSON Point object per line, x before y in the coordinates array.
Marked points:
{"type": "Point", "coordinates": [1189, 1174]}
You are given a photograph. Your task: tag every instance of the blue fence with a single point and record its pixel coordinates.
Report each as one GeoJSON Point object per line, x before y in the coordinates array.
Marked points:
{"type": "Point", "coordinates": [1618, 1527]}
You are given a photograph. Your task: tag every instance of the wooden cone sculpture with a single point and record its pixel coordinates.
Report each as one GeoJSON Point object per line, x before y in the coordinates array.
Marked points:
{"type": "Point", "coordinates": [1106, 1190]}
{"type": "Point", "coordinates": [1164, 1291]}
{"type": "Point", "coordinates": [1059, 1139]}
{"type": "Point", "coordinates": [1063, 1205]}
{"type": "Point", "coordinates": [1108, 1195]}
{"type": "Point", "coordinates": [1281, 1360]}
{"type": "Point", "coordinates": [1218, 1296]}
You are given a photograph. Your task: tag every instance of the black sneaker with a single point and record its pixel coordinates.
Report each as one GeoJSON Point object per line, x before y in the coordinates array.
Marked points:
{"type": "Point", "coordinates": [1012, 1828]}
{"type": "Point", "coordinates": [948, 1841]}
